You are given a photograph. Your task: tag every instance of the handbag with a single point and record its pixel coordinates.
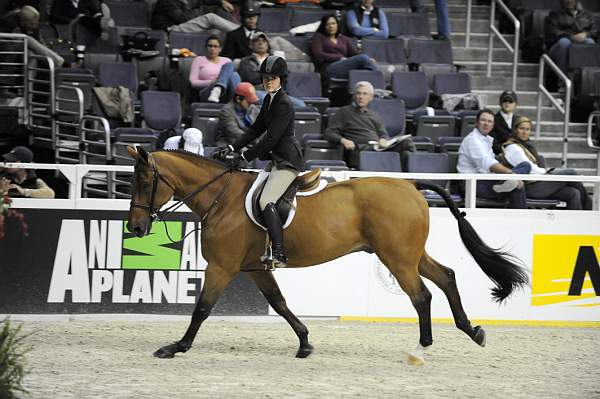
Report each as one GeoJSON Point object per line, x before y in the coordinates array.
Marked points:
{"type": "Point", "coordinates": [139, 41]}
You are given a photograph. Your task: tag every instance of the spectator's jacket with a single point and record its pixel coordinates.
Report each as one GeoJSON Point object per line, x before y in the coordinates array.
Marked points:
{"type": "Point", "coordinates": [325, 52]}
{"type": "Point", "coordinates": [276, 118]}
{"type": "Point", "coordinates": [516, 151]}
{"type": "Point", "coordinates": [63, 11]}
{"type": "Point", "coordinates": [358, 125]}
{"type": "Point", "coordinates": [562, 23]}
{"type": "Point", "coordinates": [249, 70]}
{"type": "Point", "coordinates": [365, 27]}
{"type": "Point", "coordinates": [234, 122]}
{"type": "Point", "coordinates": [34, 186]}
{"type": "Point", "coordinates": [237, 44]}
{"type": "Point", "coordinates": [501, 131]}
{"type": "Point", "coordinates": [475, 154]}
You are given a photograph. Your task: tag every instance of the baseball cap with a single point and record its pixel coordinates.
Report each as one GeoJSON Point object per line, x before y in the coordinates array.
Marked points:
{"type": "Point", "coordinates": [19, 154]}
{"type": "Point", "coordinates": [258, 34]}
{"type": "Point", "coordinates": [508, 95]}
{"type": "Point", "coordinates": [246, 90]}
{"type": "Point", "coordinates": [193, 140]}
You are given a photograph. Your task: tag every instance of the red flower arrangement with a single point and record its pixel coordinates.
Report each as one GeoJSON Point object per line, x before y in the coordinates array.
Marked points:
{"type": "Point", "coordinates": [6, 212]}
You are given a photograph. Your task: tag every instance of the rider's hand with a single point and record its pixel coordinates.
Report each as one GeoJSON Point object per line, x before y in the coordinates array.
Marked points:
{"type": "Point", "coordinates": [4, 186]}
{"type": "Point", "coordinates": [233, 160]}
{"type": "Point", "coordinates": [222, 153]}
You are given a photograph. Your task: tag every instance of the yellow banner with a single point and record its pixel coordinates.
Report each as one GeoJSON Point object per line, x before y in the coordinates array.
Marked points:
{"type": "Point", "coordinates": [565, 269]}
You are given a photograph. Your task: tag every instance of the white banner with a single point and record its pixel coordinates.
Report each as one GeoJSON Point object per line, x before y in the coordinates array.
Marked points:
{"type": "Point", "coordinates": [561, 250]}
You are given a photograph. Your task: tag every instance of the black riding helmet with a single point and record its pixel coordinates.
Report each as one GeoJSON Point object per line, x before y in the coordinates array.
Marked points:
{"type": "Point", "coordinates": [274, 65]}
{"type": "Point", "coordinates": [250, 9]}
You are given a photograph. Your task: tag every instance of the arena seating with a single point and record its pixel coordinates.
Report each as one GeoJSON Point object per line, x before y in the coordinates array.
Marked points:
{"type": "Point", "coordinates": [380, 161]}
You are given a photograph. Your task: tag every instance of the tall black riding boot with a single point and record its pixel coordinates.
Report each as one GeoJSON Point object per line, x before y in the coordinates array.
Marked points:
{"type": "Point", "coordinates": [275, 228]}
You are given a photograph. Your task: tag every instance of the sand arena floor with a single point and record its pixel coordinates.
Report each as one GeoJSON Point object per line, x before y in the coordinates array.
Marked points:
{"type": "Point", "coordinates": [241, 359]}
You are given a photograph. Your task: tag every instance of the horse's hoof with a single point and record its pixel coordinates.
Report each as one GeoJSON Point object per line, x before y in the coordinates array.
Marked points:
{"type": "Point", "coordinates": [415, 360]}
{"type": "Point", "coordinates": [479, 336]}
{"type": "Point", "coordinates": [167, 352]}
{"type": "Point", "coordinates": [304, 351]}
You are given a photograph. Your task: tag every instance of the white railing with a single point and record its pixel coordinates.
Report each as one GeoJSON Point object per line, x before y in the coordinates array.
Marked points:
{"type": "Point", "coordinates": [514, 49]}
{"type": "Point", "coordinates": [76, 174]}
{"type": "Point", "coordinates": [564, 109]}
{"type": "Point", "coordinates": [468, 24]}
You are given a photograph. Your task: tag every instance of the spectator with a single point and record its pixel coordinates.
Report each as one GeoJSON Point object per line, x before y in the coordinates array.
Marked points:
{"type": "Point", "coordinates": [237, 42]}
{"type": "Point", "coordinates": [333, 53]}
{"type": "Point", "coordinates": [93, 14]}
{"type": "Point", "coordinates": [190, 140]}
{"type": "Point", "coordinates": [25, 20]}
{"type": "Point", "coordinates": [187, 16]}
{"type": "Point", "coordinates": [249, 68]}
{"type": "Point", "coordinates": [237, 115]}
{"type": "Point", "coordinates": [504, 120]}
{"type": "Point", "coordinates": [357, 128]}
{"type": "Point", "coordinates": [475, 155]}
{"type": "Point", "coordinates": [366, 20]}
{"type": "Point", "coordinates": [570, 25]}
{"type": "Point", "coordinates": [212, 75]}
{"type": "Point", "coordinates": [519, 149]}
{"type": "Point", "coordinates": [441, 10]}
{"type": "Point", "coordinates": [21, 182]}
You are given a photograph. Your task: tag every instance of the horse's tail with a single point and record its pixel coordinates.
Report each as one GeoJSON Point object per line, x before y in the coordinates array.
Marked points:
{"type": "Point", "coordinates": [505, 270]}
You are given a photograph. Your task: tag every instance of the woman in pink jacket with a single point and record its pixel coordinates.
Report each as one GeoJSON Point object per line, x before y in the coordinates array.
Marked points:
{"type": "Point", "coordinates": [212, 75]}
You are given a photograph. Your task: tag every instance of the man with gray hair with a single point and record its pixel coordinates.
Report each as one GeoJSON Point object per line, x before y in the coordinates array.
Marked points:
{"type": "Point", "coordinates": [358, 128]}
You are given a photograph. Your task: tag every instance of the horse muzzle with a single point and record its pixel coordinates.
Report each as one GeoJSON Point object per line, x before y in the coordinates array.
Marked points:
{"type": "Point", "coordinates": [139, 229]}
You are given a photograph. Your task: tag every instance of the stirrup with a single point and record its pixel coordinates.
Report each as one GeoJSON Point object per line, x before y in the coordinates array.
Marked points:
{"type": "Point", "coordinates": [271, 262]}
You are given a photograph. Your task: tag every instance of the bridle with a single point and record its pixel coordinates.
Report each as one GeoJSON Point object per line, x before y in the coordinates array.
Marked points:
{"type": "Point", "coordinates": [156, 214]}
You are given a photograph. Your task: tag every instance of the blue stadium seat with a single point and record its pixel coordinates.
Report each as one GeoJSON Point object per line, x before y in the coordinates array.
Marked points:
{"type": "Point", "coordinates": [451, 83]}
{"type": "Point", "coordinates": [393, 114]}
{"type": "Point", "coordinates": [274, 20]}
{"type": "Point", "coordinates": [118, 74]}
{"type": "Point", "coordinates": [385, 50]}
{"type": "Point", "coordinates": [408, 24]}
{"type": "Point", "coordinates": [322, 149]}
{"type": "Point", "coordinates": [435, 127]}
{"type": "Point", "coordinates": [162, 109]}
{"type": "Point", "coordinates": [307, 87]}
{"type": "Point", "coordinates": [411, 87]}
{"type": "Point", "coordinates": [307, 16]}
{"type": "Point", "coordinates": [327, 164]}
{"type": "Point", "coordinates": [374, 77]}
{"type": "Point", "coordinates": [129, 13]}
{"type": "Point", "coordinates": [384, 161]}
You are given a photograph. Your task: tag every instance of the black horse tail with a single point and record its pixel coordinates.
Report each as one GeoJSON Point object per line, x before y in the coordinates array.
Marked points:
{"type": "Point", "coordinates": [505, 270]}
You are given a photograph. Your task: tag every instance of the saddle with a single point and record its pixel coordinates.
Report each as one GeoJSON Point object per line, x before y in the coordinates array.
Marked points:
{"type": "Point", "coordinates": [303, 185]}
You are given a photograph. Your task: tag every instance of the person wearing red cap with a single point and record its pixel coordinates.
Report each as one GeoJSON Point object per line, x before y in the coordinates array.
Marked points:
{"type": "Point", "coordinates": [237, 115]}
{"type": "Point", "coordinates": [21, 182]}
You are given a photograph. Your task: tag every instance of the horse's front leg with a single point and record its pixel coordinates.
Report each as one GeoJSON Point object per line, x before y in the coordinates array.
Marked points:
{"type": "Point", "coordinates": [268, 286]}
{"type": "Point", "coordinates": [216, 280]}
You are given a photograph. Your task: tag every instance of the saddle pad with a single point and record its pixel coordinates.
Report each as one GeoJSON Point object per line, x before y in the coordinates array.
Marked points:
{"type": "Point", "coordinates": [258, 182]}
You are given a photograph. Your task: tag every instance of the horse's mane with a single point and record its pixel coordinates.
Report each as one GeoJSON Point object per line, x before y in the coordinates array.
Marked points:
{"type": "Point", "coordinates": [196, 157]}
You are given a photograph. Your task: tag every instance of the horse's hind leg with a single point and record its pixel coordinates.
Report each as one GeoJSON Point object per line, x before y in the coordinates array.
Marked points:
{"type": "Point", "coordinates": [268, 286]}
{"type": "Point", "coordinates": [443, 277]}
{"type": "Point", "coordinates": [216, 280]}
{"type": "Point", "coordinates": [412, 284]}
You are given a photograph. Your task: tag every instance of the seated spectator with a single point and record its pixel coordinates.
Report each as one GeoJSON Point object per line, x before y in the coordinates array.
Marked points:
{"type": "Point", "coordinates": [212, 75]}
{"type": "Point", "coordinates": [519, 149]}
{"type": "Point", "coordinates": [237, 42]}
{"type": "Point", "coordinates": [237, 115]}
{"type": "Point", "coordinates": [20, 182]}
{"type": "Point", "coordinates": [333, 53]}
{"type": "Point", "coordinates": [25, 20]}
{"type": "Point", "coordinates": [187, 16]}
{"type": "Point", "coordinates": [475, 155]}
{"type": "Point", "coordinates": [570, 25]}
{"type": "Point", "coordinates": [504, 120]}
{"type": "Point", "coordinates": [250, 65]}
{"type": "Point", "coordinates": [365, 21]}
{"type": "Point", "coordinates": [93, 14]}
{"type": "Point", "coordinates": [358, 128]}
{"type": "Point", "coordinates": [190, 141]}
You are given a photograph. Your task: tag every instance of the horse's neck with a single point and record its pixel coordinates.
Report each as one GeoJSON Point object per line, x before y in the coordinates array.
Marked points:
{"type": "Point", "coordinates": [187, 173]}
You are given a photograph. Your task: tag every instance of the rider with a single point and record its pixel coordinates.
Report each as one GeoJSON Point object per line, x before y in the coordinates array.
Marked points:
{"type": "Point", "coordinates": [279, 144]}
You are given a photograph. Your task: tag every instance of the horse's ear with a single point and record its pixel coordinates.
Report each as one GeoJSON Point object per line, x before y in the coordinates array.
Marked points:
{"type": "Point", "coordinates": [133, 152]}
{"type": "Point", "coordinates": [143, 155]}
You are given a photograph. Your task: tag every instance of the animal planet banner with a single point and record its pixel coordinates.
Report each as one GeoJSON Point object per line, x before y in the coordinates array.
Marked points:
{"type": "Point", "coordinates": [560, 250]}
{"type": "Point", "coordinates": [87, 262]}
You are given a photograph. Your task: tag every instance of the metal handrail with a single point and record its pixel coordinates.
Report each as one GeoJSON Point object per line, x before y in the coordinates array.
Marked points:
{"type": "Point", "coordinates": [468, 25]}
{"type": "Point", "coordinates": [36, 120]}
{"type": "Point", "coordinates": [514, 49]}
{"type": "Point", "coordinates": [565, 110]}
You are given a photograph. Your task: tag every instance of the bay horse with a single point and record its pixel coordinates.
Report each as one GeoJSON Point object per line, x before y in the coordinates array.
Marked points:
{"type": "Point", "coordinates": [344, 217]}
